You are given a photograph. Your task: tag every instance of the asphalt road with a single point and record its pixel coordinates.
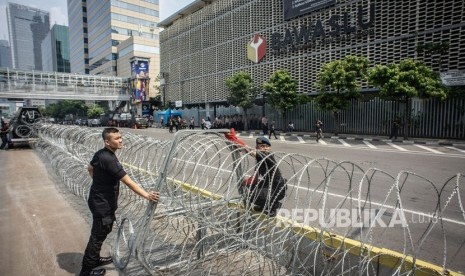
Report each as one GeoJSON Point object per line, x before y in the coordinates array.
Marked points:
{"type": "Point", "coordinates": [431, 166]}
{"type": "Point", "coordinates": [44, 230]}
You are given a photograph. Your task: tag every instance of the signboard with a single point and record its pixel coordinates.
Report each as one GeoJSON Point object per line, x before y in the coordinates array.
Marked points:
{"type": "Point", "coordinates": [146, 109]}
{"type": "Point", "coordinates": [139, 89]}
{"type": "Point", "coordinates": [178, 103]}
{"type": "Point", "coordinates": [140, 69]}
{"type": "Point", "coordinates": [294, 8]}
{"type": "Point", "coordinates": [453, 78]}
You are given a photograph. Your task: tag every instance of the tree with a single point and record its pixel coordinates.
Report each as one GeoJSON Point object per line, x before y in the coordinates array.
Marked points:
{"type": "Point", "coordinates": [406, 80]}
{"type": "Point", "coordinates": [63, 108]}
{"type": "Point", "coordinates": [95, 111]}
{"type": "Point", "coordinates": [242, 92]}
{"type": "Point", "coordinates": [282, 93]}
{"type": "Point", "coordinates": [156, 102]}
{"type": "Point", "coordinates": [339, 82]}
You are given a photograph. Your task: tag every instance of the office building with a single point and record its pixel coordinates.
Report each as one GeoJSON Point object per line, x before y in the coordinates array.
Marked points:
{"type": "Point", "coordinates": [79, 51]}
{"type": "Point", "coordinates": [27, 27]}
{"type": "Point", "coordinates": [208, 41]}
{"type": "Point", "coordinates": [98, 27]}
{"type": "Point", "coordinates": [5, 54]}
{"type": "Point", "coordinates": [55, 50]}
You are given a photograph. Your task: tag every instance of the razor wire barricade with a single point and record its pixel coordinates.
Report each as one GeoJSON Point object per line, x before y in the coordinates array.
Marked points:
{"type": "Point", "coordinates": [336, 219]}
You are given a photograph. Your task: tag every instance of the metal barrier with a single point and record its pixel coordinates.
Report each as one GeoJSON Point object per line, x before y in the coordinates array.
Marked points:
{"type": "Point", "coordinates": [30, 84]}
{"type": "Point", "coordinates": [204, 224]}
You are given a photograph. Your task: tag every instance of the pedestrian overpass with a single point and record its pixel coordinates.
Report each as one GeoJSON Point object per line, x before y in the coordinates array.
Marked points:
{"type": "Point", "coordinates": [22, 84]}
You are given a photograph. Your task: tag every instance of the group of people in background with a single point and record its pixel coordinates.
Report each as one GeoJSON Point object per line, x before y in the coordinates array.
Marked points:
{"type": "Point", "coordinates": [235, 122]}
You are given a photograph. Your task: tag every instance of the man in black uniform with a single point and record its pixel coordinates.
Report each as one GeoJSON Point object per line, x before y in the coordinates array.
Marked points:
{"type": "Point", "coordinates": [106, 173]}
{"type": "Point", "coordinates": [267, 187]}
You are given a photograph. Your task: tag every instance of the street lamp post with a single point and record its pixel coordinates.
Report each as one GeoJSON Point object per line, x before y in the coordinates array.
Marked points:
{"type": "Point", "coordinates": [264, 103]}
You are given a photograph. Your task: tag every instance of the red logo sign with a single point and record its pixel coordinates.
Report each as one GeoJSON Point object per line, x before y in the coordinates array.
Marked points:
{"type": "Point", "coordinates": [256, 48]}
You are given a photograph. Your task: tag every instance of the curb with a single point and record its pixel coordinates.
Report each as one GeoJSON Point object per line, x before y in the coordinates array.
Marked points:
{"type": "Point", "coordinates": [420, 142]}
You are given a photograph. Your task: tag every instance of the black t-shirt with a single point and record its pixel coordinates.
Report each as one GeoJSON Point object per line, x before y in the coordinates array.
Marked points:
{"type": "Point", "coordinates": [103, 196]}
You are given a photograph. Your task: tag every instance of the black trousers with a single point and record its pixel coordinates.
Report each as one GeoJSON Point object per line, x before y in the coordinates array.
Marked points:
{"type": "Point", "coordinates": [261, 196]}
{"type": "Point", "coordinates": [101, 227]}
{"type": "Point", "coordinates": [4, 140]}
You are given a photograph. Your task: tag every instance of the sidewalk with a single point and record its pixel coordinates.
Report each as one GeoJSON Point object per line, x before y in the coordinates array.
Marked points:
{"type": "Point", "coordinates": [44, 231]}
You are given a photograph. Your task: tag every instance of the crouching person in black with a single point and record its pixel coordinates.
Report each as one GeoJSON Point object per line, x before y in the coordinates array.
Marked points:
{"type": "Point", "coordinates": [267, 187]}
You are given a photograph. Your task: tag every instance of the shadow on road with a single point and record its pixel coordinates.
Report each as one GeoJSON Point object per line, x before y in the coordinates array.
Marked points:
{"type": "Point", "coordinates": [71, 262]}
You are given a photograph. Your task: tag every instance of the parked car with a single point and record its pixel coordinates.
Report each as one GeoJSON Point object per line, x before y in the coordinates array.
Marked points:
{"type": "Point", "coordinates": [81, 122]}
{"type": "Point", "coordinates": [142, 123]}
{"type": "Point", "coordinates": [122, 120]}
{"type": "Point", "coordinates": [94, 122]}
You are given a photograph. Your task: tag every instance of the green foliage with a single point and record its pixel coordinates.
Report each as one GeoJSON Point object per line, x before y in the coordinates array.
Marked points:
{"type": "Point", "coordinates": [406, 79]}
{"type": "Point", "coordinates": [456, 92]}
{"type": "Point", "coordinates": [339, 81]}
{"type": "Point", "coordinates": [63, 108]}
{"type": "Point", "coordinates": [95, 111]}
{"type": "Point", "coordinates": [242, 90]}
{"type": "Point", "coordinates": [156, 102]}
{"type": "Point", "coordinates": [282, 91]}
{"type": "Point", "coordinates": [343, 74]}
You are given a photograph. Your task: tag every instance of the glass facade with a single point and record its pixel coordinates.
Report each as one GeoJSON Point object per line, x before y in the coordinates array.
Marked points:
{"type": "Point", "coordinates": [55, 50]}
{"type": "Point", "coordinates": [27, 28]}
{"type": "Point", "coordinates": [77, 18]}
{"type": "Point", "coordinates": [110, 22]}
{"type": "Point", "coordinates": [5, 54]}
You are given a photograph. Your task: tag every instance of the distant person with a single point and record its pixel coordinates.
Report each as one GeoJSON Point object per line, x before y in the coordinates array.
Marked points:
{"type": "Point", "coordinates": [106, 172]}
{"type": "Point", "coordinates": [318, 129]}
{"type": "Point", "coordinates": [203, 123]}
{"type": "Point", "coordinates": [4, 134]}
{"type": "Point", "coordinates": [290, 127]}
{"type": "Point", "coordinates": [192, 123]}
{"type": "Point", "coordinates": [273, 130]}
{"type": "Point", "coordinates": [171, 125]}
{"type": "Point", "coordinates": [264, 122]}
{"type": "Point", "coordinates": [394, 129]}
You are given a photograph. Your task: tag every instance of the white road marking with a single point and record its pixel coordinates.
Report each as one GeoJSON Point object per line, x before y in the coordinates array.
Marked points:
{"type": "Point", "coordinates": [429, 149]}
{"type": "Point", "coordinates": [457, 149]}
{"type": "Point", "coordinates": [344, 143]}
{"type": "Point", "coordinates": [301, 140]}
{"type": "Point", "coordinates": [251, 135]}
{"type": "Point", "coordinates": [322, 142]}
{"type": "Point", "coordinates": [429, 215]}
{"type": "Point", "coordinates": [396, 146]}
{"type": "Point", "coordinates": [370, 145]}
{"type": "Point", "coordinates": [282, 138]}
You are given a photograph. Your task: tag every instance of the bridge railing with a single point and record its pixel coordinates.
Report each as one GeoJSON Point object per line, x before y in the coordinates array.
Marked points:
{"type": "Point", "coordinates": [30, 84]}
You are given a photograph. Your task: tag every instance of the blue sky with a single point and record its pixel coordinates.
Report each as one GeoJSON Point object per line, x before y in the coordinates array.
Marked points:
{"type": "Point", "coordinates": [58, 10]}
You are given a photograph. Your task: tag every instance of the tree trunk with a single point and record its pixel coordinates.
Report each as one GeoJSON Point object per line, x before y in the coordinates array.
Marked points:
{"type": "Point", "coordinates": [246, 121]}
{"type": "Point", "coordinates": [407, 113]}
{"type": "Point", "coordinates": [284, 121]}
